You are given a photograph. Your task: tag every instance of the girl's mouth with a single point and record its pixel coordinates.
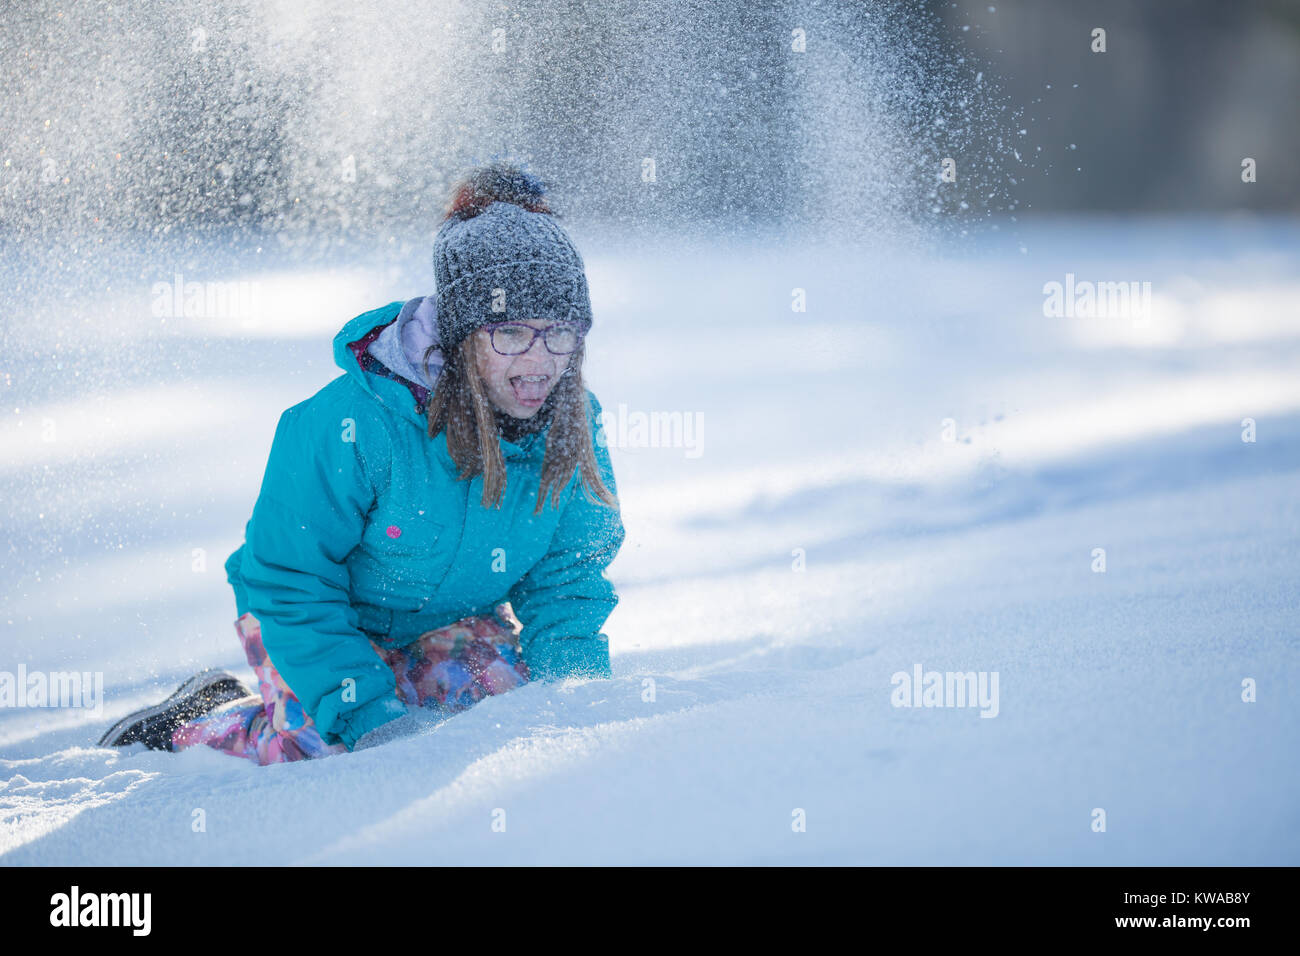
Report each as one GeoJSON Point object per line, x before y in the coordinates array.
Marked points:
{"type": "Point", "coordinates": [530, 390]}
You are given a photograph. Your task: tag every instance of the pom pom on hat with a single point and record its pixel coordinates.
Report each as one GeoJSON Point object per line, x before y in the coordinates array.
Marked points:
{"type": "Point", "coordinates": [501, 181]}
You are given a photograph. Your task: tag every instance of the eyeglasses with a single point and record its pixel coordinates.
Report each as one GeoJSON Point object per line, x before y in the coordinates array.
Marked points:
{"type": "Point", "coordinates": [515, 338]}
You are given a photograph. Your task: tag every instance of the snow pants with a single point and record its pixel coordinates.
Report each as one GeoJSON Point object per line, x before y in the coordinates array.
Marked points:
{"type": "Point", "coordinates": [445, 670]}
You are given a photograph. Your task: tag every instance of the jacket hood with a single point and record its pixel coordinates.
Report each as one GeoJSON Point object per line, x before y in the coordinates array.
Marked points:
{"type": "Point", "coordinates": [401, 344]}
{"type": "Point", "coordinates": [378, 350]}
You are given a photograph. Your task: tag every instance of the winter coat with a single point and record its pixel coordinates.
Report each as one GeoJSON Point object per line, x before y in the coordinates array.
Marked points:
{"type": "Point", "coordinates": [361, 531]}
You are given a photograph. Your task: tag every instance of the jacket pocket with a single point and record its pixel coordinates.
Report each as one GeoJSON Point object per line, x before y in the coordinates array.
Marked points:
{"type": "Point", "coordinates": [404, 534]}
{"type": "Point", "coordinates": [401, 561]}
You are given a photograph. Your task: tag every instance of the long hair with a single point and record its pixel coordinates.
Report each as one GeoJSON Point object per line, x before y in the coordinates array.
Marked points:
{"type": "Point", "coordinates": [459, 404]}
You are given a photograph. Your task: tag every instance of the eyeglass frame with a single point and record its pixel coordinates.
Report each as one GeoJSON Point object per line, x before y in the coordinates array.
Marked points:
{"type": "Point", "coordinates": [582, 327]}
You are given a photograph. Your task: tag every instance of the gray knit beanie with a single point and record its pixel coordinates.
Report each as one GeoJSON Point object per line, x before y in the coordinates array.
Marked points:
{"type": "Point", "coordinates": [506, 262]}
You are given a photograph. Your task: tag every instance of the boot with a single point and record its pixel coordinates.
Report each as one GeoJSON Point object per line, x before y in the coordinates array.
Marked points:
{"type": "Point", "coordinates": [153, 726]}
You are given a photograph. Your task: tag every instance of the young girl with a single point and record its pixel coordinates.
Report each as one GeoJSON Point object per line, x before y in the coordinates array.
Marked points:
{"type": "Point", "coordinates": [401, 527]}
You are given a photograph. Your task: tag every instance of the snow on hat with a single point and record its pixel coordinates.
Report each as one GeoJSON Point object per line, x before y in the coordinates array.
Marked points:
{"type": "Point", "coordinates": [501, 255]}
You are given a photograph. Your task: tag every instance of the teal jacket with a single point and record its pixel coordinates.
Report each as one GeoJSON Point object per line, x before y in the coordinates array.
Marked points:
{"type": "Point", "coordinates": [361, 531]}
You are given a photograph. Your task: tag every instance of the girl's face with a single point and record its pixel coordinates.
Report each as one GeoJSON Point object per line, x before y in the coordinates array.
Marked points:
{"type": "Point", "coordinates": [519, 384]}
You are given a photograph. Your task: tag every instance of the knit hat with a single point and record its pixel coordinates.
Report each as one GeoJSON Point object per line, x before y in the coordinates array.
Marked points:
{"type": "Point", "coordinates": [497, 261]}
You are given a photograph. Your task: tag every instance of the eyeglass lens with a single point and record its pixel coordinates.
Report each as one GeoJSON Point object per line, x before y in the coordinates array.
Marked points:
{"type": "Point", "coordinates": [517, 339]}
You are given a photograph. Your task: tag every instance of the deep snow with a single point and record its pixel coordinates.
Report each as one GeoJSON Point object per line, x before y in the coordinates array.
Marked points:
{"type": "Point", "coordinates": [822, 432]}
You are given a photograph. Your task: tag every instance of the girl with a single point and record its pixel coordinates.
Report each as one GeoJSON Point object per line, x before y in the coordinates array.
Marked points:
{"type": "Point", "coordinates": [400, 526]}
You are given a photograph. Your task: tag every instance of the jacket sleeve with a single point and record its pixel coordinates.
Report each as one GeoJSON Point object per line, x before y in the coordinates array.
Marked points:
{"type": "Point", "coordinates": [309, 515]}
{"type": "Point", "coordinates": [564, 599]}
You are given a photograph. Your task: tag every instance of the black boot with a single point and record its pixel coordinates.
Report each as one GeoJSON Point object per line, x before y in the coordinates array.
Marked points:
{"type": "Point", "coordinates": [153, 726]}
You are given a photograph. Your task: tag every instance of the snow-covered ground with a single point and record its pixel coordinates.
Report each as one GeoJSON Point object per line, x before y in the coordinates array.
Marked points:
{"type": "Point", "coordinates": [819, 536]}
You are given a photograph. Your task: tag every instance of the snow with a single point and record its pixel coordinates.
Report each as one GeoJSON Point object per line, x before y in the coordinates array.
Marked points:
{"type": "Point", "coordinates": [822, 438]}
